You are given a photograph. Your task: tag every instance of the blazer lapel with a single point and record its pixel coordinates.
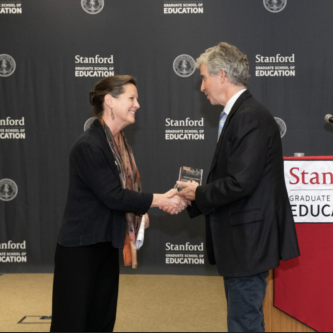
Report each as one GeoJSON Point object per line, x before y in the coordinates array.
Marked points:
{"type": "Point", "coordinates": [107, 150]}
{"type": "Point", "coordinates": [246, 94]}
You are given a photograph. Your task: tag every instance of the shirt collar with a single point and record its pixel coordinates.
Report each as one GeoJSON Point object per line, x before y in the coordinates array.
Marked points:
{"type": "Point", "coordinates": [232, 101]}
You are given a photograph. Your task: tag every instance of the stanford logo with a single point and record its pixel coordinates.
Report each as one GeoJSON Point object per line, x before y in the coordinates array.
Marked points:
{"type": "Point", "coordinates": [275, 6]}
{"type": "Point", "coordinates": [8, 190]}
{"type": "Point", "coordinates": [184, 65]}
{"type": "Point", "coordinates": [282, 126]}
{"type": "Point", "coordinates": [7, 65]}
{"type": "Point", "coordinates": [88, 123]}
{"type": "Point", "coordinates": [92, 6]}
{"type": "Point", "coordinates": [313, 178]}
{"type": "Point", "coordinates": [309, 184]}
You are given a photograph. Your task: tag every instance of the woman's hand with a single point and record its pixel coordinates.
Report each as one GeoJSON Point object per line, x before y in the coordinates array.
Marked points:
{"type": "Point", "coordinates": [175, 206]}
{"type": "Point", "coordinates": [170, 202]}
{"type": "Point", "coordinates": [147, 224]}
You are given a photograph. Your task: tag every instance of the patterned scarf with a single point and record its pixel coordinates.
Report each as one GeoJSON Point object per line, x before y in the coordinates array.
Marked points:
{"type": "Point", "coordinates": [130, 179]}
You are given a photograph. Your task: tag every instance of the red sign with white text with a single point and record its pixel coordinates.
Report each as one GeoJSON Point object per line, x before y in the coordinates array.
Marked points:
{"type": "Point", "coordinates": [310, 190]}
{"type": "Point", "coordinates": [303, 286]}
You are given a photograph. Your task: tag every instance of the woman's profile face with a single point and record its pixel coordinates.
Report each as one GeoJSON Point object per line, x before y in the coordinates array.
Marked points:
{"type": "Point", "coordinates": [126, 105]}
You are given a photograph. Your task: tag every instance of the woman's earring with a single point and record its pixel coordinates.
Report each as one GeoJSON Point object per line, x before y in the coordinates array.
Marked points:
{"type": "Point", "coordinates": [112, 115]}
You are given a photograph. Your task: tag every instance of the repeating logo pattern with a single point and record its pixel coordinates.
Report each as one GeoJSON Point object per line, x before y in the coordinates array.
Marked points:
{"type": "Point", "coordinates": [282, 125]}
{"type": "Point", "coordinates": [95, 66]}
{"type": "Point", "coordinates": [184, 65]}
{"type": "Point", "coordinates": [7, 65]}
{"type": "Point", "coordinates": [10, 7]}
{"type": "Point", "coordinates": [183, 7]}
{"type": "Point", "coordinates": [92, 6]}
{"type": "Point", "coordinates": [275, 66]}
{"type": "Point", "coordinates": [275, 6]}
{"type": "Point", "coordinates": [8, 190]}
{"type": "Point", "coordinates": [88, 123]}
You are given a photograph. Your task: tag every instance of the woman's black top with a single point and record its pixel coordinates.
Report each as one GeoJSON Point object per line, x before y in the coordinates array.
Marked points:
{"type": "Point", "coordinates": [97, 204]}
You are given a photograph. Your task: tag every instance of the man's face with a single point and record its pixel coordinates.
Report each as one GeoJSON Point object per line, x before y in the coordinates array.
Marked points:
{"type": "Point", "coordinates": [211, 85]}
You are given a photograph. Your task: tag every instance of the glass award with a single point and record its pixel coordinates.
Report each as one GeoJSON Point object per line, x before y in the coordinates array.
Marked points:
{"type": "Point", "coordinates": [187, 174]}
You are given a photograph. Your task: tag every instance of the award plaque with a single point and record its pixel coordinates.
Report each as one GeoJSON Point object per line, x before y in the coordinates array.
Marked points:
{"type": "Point", "coordinates": [189, 174]}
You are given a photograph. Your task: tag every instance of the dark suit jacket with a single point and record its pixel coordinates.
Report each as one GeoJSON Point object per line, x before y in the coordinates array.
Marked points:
{"type": "Point", "coordinates": [97, 204]}
{"type": "Point", "coordinates": [249, 221]}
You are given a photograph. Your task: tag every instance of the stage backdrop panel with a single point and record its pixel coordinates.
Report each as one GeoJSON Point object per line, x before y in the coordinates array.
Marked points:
{"type": "Point", "coordinates": [53, 52]}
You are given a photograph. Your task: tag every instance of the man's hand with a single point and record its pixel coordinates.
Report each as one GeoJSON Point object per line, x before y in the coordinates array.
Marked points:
{"type": "Point", "coordinates": [174, 204]}
{"type": "Point", "coordinates": [188, 191]}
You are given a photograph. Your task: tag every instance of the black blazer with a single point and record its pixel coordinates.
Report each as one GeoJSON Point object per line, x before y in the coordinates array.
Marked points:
{"type": "Point", "coordinates": [249, 221]}
{"type": "Point", "coordinates": [97, 204]}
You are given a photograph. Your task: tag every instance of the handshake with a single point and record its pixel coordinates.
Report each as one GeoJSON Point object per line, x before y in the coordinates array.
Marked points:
{"type": "Point", "coordinates": [174, 202]}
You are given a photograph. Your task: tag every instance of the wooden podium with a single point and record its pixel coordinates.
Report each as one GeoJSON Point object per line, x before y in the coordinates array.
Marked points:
{"type": "Point", "coordinates": [276, 320]}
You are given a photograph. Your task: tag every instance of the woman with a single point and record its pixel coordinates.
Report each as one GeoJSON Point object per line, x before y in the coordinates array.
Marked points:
{"type": "Point", "coordinates": [104, 209]}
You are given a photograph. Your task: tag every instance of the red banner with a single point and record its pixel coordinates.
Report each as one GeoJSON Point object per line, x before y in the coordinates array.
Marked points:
{"type": "Point", "coordinates": [303, 287]}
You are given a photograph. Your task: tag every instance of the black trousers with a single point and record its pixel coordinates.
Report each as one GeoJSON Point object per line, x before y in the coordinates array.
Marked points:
{"type": "Point", "coordinates": [245, 297]}
{"type": "Point", "coordinates": [85, 290]}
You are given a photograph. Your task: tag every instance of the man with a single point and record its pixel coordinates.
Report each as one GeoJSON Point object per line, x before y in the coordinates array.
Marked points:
{"type": "Point", "coordinates": [249, 223]}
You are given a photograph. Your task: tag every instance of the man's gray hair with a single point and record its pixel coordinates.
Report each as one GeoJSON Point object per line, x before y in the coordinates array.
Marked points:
{"type": "Point", "coordinates": [228, 58]}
